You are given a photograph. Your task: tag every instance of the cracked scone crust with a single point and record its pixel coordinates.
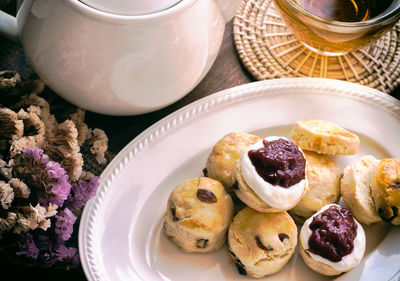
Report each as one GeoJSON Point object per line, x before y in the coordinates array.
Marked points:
{"type": "Point", "coordinates": [323, 174]}
{"type": "Point", "coordinates": [355, 187]}
{"type": "Point", "coordinates": [199, 212]}
{"type": "Point", "coordinates": [386, 190]}
{"type": "Point", "coordinates": [225, 154]}
{"type": "Point", "coordinates": [261, 243]}
{"type": "Point", "coordinates": [324, 137]}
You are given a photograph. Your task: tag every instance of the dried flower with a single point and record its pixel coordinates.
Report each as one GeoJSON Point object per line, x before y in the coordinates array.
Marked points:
{"type": "Point", "coordinates": [8, 223]}
{"type": "Point", "coordinates": [27, 246]}
{"type": "Point", "coordinates": [67, 255]}
{"type": "Point", "coordinates": [48, 177]}
{"type": "Point", "coordinates": [99, 145]}
{"type": "Point", "coordinates": [63, 147]}
{"type": "Point", "coordinates": [30, 218]}
{"type": "Point", "coordinates": [33, 126]}
{"type": "Point", "coordinates": [46, 254]}
{"type": "Point", "coordinates": [21, 190]}
{"type": "Point", "coordinates": [5, 170]}
{"type": "Point", "coordinates": [34, 100]}
{"type": "Point", "coordinates": [37, 155]}
{"type": "Point", "coordinates": [9, 124]}
{"type": "Point", "coordinates": [64, 224]}
{"type": "Point", "coordinates": [42, 182]}
{"type": "Point", "coordinates": [78, 118]}
{"type": "Point", "coordinates": [60, 190]}
{"type": "Point", "coordinates": [9, 79]}
{"type": "Point", "coordinates": [82, 191]}
{"type": "Point", "coordinates": [20, 144]}
{"type": "Point", "coordinates": [6, 195]}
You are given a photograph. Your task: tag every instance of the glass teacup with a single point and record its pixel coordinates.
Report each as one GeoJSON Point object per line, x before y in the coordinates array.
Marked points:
{"type": "Point", "coordinates": [335, 27]}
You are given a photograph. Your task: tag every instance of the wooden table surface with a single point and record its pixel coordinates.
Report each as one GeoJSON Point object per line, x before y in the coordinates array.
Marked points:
{"type": "Point", "coordinates": [226, 72]}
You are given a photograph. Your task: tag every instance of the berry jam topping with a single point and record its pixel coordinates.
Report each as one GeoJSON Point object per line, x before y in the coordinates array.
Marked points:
{"type": "Point", "coordinates": [279, 162]}
{"type": "Point", "coordinates": [333, 233]}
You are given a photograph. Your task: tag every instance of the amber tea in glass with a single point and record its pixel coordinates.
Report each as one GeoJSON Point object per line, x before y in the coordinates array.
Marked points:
{"type": "Point", "coordinates": [335, 27]}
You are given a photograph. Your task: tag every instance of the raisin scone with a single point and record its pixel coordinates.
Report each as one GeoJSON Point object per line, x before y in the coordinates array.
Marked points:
{"type": "Point", "coordinates": [385, 189]}
{"type": "Point", "coordinates": [323, 174]}
{"type": "Point", "coordinates": [355, 187]}
{"type": "Point", "coordinates": [324, 137]}
{"type": "Point", "coordinates": [332, 241]}
{"type": "Point", "coordinates": [261, 243]}
{"type": "Point", "coordinates": [222, 160]}
{"type": "Point", "coordinates": [198, 215]}
{"type": "Point", "coordinates": [271, 175]}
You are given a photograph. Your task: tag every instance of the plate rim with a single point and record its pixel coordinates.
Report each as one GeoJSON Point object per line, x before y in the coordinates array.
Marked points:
{"type": "Point", "coordinates": [202, 106]}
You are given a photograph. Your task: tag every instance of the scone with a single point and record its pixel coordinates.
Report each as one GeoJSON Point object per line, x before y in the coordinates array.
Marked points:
{"type": "Point", "coordinates": [324, 137]}
{"type": "Point", "coordinates": [198, 214]}
{"type": "Point", "coordinates": [332, 241]}
{"type": "Point", "coordinates": [271, 175]}
{"type": "Point", "coordinates": [222, 160]}
{"type": "Point", "coordinates": [261, 243]}
{"type": "Point", "coordinates": [386, 190]}
{"type": "Point", "coordinates": [355, 187]}
{"type": "Point", "coordinates": [323, 176]}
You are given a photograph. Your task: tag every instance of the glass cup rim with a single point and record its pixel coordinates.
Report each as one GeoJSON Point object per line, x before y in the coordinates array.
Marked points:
{"type": "Point", "coordinates": [371, 21]}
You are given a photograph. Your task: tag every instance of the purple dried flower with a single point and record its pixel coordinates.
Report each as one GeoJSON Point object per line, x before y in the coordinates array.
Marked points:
{"type": "Point", "coordinates": [64, 224]}
{"type": "Point", "coordinates": [62, 188]}
{"type": "Point", "coordinates": [82, 191]}
{"type": "Point", "coordinates": [46, 254]}
{"type": "Point", "coordinates": [67, 255]}
{"type": "Point", "coordinates": [27, 247]}
{"type": "Point", "coordinates": [37, 154]}
{"type": "Point", "coordinates": [49, 178]}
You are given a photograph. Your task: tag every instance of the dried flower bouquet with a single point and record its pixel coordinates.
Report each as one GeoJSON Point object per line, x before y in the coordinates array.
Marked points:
{"type": "Point", "coordinates": [43, 184]}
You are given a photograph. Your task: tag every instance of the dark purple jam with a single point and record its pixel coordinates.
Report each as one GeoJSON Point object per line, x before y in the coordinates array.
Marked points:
{"type": "Point", "coordinates": [279, 162]}
{"type": "Point", "coordinates": [333, 233]}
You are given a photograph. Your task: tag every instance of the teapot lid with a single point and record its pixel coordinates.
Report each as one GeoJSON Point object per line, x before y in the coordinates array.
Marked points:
{"type": "Point", "coordinates": [130, 7]}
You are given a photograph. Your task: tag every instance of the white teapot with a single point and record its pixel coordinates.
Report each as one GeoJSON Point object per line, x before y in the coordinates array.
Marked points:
{"type": "Point", "coordinates": [120, 57]}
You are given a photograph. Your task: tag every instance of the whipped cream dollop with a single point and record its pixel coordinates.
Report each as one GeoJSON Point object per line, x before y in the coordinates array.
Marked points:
{"type": "Point", "coordinates": [348, 261]}
{"type": "Point", "coordinates": [274, 195]}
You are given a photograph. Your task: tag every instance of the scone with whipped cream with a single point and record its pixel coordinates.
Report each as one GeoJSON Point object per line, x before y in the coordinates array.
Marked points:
{"type": "Point", "coordinates": [271, 175]}
{"type": "Point", "coordinates": [332, 241]}
{"type": "Point", "coordinates": [323, 174]}
{"type": "Point", "coordinates": [223, 158]}
{"type": "Point", "coordinates": [261, 243]}
{"type": "Point", "coordinates": [198, 215]}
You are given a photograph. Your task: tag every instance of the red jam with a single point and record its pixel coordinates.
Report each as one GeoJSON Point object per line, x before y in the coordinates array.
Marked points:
{"type": "Point", "coordinates": [333, 233]}
{"type": "Point", "coordinates": [279, 162]}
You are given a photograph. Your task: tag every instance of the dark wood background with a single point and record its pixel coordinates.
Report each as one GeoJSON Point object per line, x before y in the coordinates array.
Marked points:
{"type": "Point", "coordinates": [226, 72]}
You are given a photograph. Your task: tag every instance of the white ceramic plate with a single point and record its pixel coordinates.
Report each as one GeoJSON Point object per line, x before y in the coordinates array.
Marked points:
{"type": "Point", "coordinates": [120, 235]}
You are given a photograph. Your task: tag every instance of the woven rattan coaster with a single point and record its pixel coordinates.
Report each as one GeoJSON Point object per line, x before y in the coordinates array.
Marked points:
{"type": "Point", "coordinates": [269, 50]}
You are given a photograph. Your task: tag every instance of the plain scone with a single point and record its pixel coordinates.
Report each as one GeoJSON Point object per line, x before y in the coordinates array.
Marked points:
{"type": "Point", "coordinates": [222, 160]}
{"type": "Point", "coordinates": [261, 243]}
{"type": "Point", "coordinates": [324, 137]}
{"type": "Point", "coordinates": [323, 176]}
{"type": "Point", "coordinates": [198, 215]}
{"type": "Point", "coordinates": [385, 189]}
{"type": "Point", "coordinates": [355, 187]}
